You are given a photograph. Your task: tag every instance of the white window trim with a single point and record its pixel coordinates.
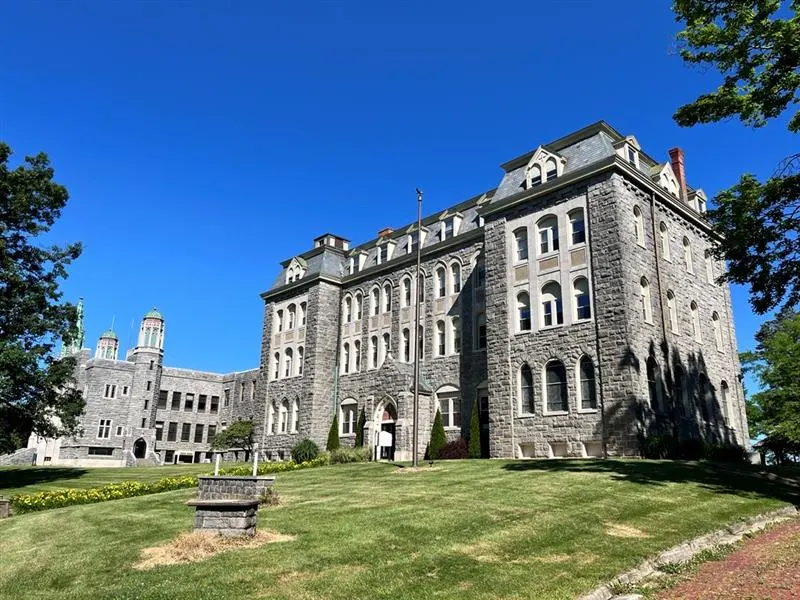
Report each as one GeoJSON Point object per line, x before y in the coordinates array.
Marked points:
{"type": "Point", "coordinates": [349, 402]}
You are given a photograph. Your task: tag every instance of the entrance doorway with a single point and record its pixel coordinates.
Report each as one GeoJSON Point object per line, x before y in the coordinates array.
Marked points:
{"type": "Point", "coordinates": [139, 448]}
{"type": "Point", "coordinates": [385, 441]}
{"type": "Point", "coordinates": [483, 407]}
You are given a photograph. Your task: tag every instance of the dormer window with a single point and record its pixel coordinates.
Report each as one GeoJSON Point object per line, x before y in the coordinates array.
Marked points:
{"type": "Point", "coordinates": [629, 149]}
{"type": "Point", "coordinates": [413, 242]}
{"type": "Point", "coordinates": [295, 271]}
{"type": "Point", "coordinates": [384, 254]}
{"type": "Point", "coordinates": [633, 156]}
{"type": "Point", "coordinates": [544, 166]}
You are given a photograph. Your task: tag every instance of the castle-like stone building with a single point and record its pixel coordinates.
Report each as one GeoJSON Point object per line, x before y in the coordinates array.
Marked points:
{"type": "Point", "coordinates": [575, 306]}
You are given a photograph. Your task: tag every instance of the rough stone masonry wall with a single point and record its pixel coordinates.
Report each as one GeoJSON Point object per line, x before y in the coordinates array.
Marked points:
{"type": "Point", "coordinates": [232, 487]}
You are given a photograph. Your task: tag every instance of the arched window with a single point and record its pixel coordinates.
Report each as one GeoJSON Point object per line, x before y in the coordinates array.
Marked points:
{"type": "Point", "coordinates": [302, 314]}
{"type": "Point", "coordinates": [279, 321]}
{"type": "Point", "coordinates": [373, 352]}
{"type": "Point", "coordinates": [387, 346]}
{"type": "Point", "coordinates": [526, 389]}
{"type": "Point", "coordinates": [717, 330]}
{"type": "Point", "coordinates": [375, 300]}
{"type": "Point", "coordinates": [480, 331]}
{"type": "Point", "coordinates": [448, 401]}
{"type": "Point", "coordinates": [441, 290]}
{"type": "Point", "coordinates": [653, 378]}
{"type": "Point", "coordinates": [548, 235]}
{"type": "Point", "coordinates": [405, 288]}
{"type": "Point", "coordinates": [638, 225]}
{"type": "Point", "coordinates": [480, 274]}
{"type": "Point", "coordinates": [300, 357]}
{"type": "Point", "coordinates": [357, 356]}
{"type": "Point", "coordinates": [358, 302]}
{"type": "Point", "coordinates": [521, 245]}
{"type": "Point", "coordinates": [455, 334]}
{"type": "Point", "coordinates": [292, 315]}
{"type": "Point", "coordinates": [271, 421]}
{"type": "Point", "coordinates": [687, 254]}
{"type": "Point", "coordinates": [283, 416]}
{"type": "Point", "coordinates": [455, 277]}
{"type": "Point", "coordinates": [709, 267]}
{"type": "Point", "coordinates": [295, 415]}
{"type": "Point", "coordinates": [555, 376]}
{"type": "Point", "coordinates": [647, 304]}
{"type": "Point", "coordinates": [672, 308]}
{"type": "Point", "coordinates": [587, 388]}
{"type": "Point", "coordinates": [346, 358]}
{"type": "Point", "coordinates": [348, 309]}
{"type": "Point", "coordinates": [287, 372]}
{"type": "Point", "coordinates": [347, 417]}
{"type": "Point", "coordinates": [406, 345]}
{"type": "Point", "coordinates": [552, 311]}
{"type": "Point", "coordinates": [421, 288]}
{"type": "Point", "coordinates": [663, 233]}
{"type": "Point", "coordinates": [723, 397]}
{"type": "Point", "coordinates": [577, 227]}
{"type": "Point", "coordinates": [421, 342]}
{"type": "Point", "coordinates": [550, 169]}
{"type": "Point", "coordinates": [523, 312]}
{"type": "Point", "coordinates": [387, 297]}
{"type": "Point", "coordinates": [580, 292]}
{"type": "Point", "coordinates": [696, 322]}
{"type": "Point", "coordinates": [440, 339]}
{"type": "Point", "coordinates": [276, 365]}
{"type": "Point", "coordinates": [535, 175]}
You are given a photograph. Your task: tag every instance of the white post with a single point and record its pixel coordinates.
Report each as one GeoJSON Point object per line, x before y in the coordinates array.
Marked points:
{"type": "Point", "coordinates": [255, 460]}
{"type": "Point", "coordinates": [216, 465]}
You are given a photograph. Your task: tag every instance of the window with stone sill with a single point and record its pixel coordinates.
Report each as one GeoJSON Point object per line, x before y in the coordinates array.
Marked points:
{"type": "Point", "coordinates": [480, 331]}
{"type": "Point", "coordinates": [455, 277]}
{"type": "Point", "coordinates": [526, 395]}
{"type": "Point", "coordinates": [449, 404]}
{"type": "Point", "coordinates": [587, 388]}
{"type": "Point", "coordinates": [577, 227]}
{"type": "Point", "coordinates": [521, 245]}
{"type": "Point", "coordinates": [552, 306]}
{"type": "Point", "coordinates": [555, 378]}
{"type": "Point", "coordinates": [638, 225]}
{"type": "Point", "coordinates": [583, 305]}
{"type": "Point", "coordinates": [548, 235]}
{"type": "Point", "coordinates": [347, 417]}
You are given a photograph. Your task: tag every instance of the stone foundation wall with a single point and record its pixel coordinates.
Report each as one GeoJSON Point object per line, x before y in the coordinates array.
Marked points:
{"type": "Point", "coordinates": [226, 518]}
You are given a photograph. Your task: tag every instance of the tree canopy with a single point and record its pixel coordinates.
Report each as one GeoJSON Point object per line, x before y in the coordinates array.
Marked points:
{"type": "Point", "coordinates": [239, 434]}
{"type": "Point", "coordinates": [774, 412]}
{"type": "Point", "coordinates": [37, 392]}
{"type": "Point", "coordinates": [755, 46]}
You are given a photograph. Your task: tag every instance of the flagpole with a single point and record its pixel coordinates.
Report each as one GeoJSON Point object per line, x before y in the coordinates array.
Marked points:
{"type": "Point", "coordinates": [414, 461]}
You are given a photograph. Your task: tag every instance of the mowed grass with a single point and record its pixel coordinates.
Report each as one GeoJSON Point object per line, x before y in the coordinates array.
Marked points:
{"type": "Point", "coordinates": [471, 529]}
{"type": "Point", "coordinates": [29, 480]}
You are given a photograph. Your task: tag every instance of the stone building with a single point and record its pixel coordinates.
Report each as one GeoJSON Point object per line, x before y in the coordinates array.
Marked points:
{"type": "Point", "coordinates": [140, 412]}
{"type": "Point", "coordinates": [575, 306]}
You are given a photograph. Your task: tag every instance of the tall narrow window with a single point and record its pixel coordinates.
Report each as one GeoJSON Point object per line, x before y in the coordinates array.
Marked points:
{"type": "Point", "coordinates": [709, 267]}
{"type": "Point", "coordinates": [663, 234]}
{"type": "Point", "coordinates": [279, 321]}
{"type": "Point", "coordinates": [276, 365]}
{"type": "Point", "coordinates": [523, 312]}
{"type": "Point", "coordinates": [455, 277]}
{"type": "Point", "coordinates": [387, 298]}
{"type": "Point", "coordinates": [535, 175]}
{"type": "Point", "coordinates": [346, 358]}
{"type": "Point", "coordinates": [405, 286]}
{"type": "Point", "coordinates": [375, 303]}
{"type": "Point", "coordinates": [647, 304]}
{"type": "Point", "coordinates": [288, 362]}
{"type": "Point", "coordinates": [295, 415]}
{"type": "Point", "coordinates": [440, 339]}
{"type": "Point", "coordinates": [406, 340]}
{"type": "Point", "coordinates": [348, 309]}
{"type": "Point", "coordinates": [556, 384]}
{"type": "Point", "coordinates": [271, 421]}
{"type": "Point", "coordinates": [421, 342]}
{"type": "Point", "coordinates": [300, 356]}
{"type": "Point", "coordinates": [577, 227]}
{"type": "Point", "coordinates": [373, 352]}
{"type": "Point", "coordinates": [521, 245]}
{"type": "Point", "coordinates": [587, 387]}
{"type": "Point", "coordinates": [480, 331]}
{"type": "Point", "coordinates": [292, 315]}
{"type": "Point", "coordinates": [421, 288]}
{"type": "Point", "coordinates": [480, 274]}
{"type": "Point", "coordinates": [687, 255]}
{"type": "Point", "coordinates": [440, 283]}
{"type": "Point", "coordinates": [723, 396]}
{"type": "Point", "coordinates": [283, 416]}
{"type": "Point", "coordinates": [550, 169]}
{"type": "Point", "coordinates": [526, 389]}
{"type": "Point", "coordinates": [358, 304]}
{"type": "Point", "coordinates": [672, 308]}
{"type": "Point", "coordinates": [580, 292]}
{"type": "Point", "coordinates": [698, 337]}
{"type": "Point", "coordinates": [548, 235]}
{"type": "Point", "coordinates": [717, 331]}
{"type": "Point", "coordinates": [652, 384]}
{"type": "Point", "coordinates": [387, 346]}
{"type": "Point", "coordinates": [638, 225]}
{"type": "Point", "coordinates": [552, 311]}
{"type": "Point", "coordinates": [357, 356]}
{"type": "Point", "coordinates": [302, 314]}
{"type": "Point", "coordinates": [455, 325]}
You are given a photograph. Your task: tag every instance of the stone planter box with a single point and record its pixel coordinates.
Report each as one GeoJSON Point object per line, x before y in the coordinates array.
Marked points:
{"type": "Point", "coordinates": [232, 487]}
{"type": "Point", "coordinates": [229, 518]}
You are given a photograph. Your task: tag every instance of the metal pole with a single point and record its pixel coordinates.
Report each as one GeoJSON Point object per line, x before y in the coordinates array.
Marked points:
{"type": "Point", "coordinates": [414, 460]}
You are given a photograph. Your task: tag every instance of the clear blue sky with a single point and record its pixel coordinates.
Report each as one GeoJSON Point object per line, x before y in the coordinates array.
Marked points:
{"type": "Point", "coordinates": [202, 143]}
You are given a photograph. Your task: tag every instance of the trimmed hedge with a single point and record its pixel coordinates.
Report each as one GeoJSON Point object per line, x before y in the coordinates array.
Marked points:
{"type": "Point", "coordinates": [24, 503]}
{"type": "Point", "coordinates": [350, 455]}
{"type": "Point", "coordinates": [268, 468]}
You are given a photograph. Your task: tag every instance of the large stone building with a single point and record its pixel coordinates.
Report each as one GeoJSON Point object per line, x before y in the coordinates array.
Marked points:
{"type": "Point", "coordinates": [575, 306]}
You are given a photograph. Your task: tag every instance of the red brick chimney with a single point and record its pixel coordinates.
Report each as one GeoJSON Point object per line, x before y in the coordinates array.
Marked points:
{"type": "Point", "coordinates": [386, 231]}
{"type": "Point", "coordinates": [676, 157]}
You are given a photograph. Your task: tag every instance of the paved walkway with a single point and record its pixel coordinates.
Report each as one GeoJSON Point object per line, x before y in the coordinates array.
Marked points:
{"type": "Point", "coordinates": [766, 567]}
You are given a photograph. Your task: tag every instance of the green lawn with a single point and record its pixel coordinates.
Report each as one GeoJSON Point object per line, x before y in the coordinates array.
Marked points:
{"type": "Point", "coordinates": [28, 480]}
{"type": "Point", "coordinates": [480, 529]}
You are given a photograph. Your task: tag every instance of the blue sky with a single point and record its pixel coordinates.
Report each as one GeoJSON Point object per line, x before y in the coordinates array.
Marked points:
{"type": "Point", "coordinates": [204, 142]}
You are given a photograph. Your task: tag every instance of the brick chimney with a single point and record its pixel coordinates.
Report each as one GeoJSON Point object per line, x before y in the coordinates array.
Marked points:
{"type": "Point", "coordinates": [385, 232]}
{"type": "Point", "coordinates": [676, 157]}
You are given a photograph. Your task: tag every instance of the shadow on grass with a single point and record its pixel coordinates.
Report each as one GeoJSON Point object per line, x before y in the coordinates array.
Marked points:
{"type": "Point", "coordinates": [11, 479]}
{"type": "Point", "coordinates": [721, 478]}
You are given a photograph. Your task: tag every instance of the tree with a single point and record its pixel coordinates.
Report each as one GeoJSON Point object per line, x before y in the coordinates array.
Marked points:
{"type": "Point", "coordinates": [239, 434]}
{"type": "Point", "coordinates": [438, 437]}
{"type": "Point", "coordinates": [774, 412]}
{"type": "Point", "coordinates": [757, 54]}
{"type": "Point", "coordinates": [37, 389]}
{"type": "Point", "coordinates": [333, 435]}
{"type": "Point", "coordinates": [475, 432]}
{"type": "Point", "coordinates": [362, 421]}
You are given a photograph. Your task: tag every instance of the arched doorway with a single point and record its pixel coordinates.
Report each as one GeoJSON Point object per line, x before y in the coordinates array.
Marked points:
{"type": "Point", "coordinates": [385, 430]}
{"type": "Point", "coordinates": [139, 448]}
